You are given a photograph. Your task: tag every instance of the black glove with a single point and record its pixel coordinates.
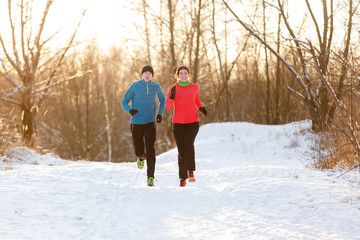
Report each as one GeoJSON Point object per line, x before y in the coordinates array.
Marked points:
{"type": "Point", "coordinates": [203, 110]}
{"type": "Point", "coordinates": [172, 93]}
{"type": "Point", "coordinates": [158, 118]}
{"type": "Point", "coordinates": [133, 112]}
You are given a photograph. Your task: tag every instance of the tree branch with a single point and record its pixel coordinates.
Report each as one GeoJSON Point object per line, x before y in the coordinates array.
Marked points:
{"type": "Point", "coordinates": [248, 28]}
{"type": "Point", "coordinates": [340, 105]}
{"type": "Point", "coordinates": [52, 74]}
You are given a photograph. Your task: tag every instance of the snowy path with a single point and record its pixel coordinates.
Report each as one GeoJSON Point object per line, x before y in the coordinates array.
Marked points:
{"type": "Point", "coordinates": [251, 184]}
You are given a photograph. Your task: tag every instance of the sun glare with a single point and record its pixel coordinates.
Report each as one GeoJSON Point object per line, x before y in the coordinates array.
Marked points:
{"type": "Point", "coordinates": [105, 21]}
{"type": "Point", "coordinates": [111, 22]}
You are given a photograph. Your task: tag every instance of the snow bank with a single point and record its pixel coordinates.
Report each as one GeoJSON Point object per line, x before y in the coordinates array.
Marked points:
{"type": "Point", "coordinates": [251, 183]}
{"type": "Point", "coordinates": [23, 155]}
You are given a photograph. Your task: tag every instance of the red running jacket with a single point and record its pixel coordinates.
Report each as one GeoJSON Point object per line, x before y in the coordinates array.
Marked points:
{"type": "Point", "coordinates": [185, 103]}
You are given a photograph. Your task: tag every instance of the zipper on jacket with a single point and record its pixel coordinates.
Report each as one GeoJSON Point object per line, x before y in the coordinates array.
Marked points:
{"type": "Point", "coordinates": [147, 89]}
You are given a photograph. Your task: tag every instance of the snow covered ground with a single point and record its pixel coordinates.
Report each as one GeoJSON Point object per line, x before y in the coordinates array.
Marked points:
{"type": "Point", "coordinates": [252, 183]}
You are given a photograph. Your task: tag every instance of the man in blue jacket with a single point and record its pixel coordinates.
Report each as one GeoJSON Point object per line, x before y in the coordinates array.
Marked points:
{"type": "Point", "coordinates": [142, 95]}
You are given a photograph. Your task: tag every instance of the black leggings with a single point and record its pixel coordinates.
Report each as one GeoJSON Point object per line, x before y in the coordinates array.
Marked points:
{"type": "Point", "coordinates": [185, 135]}
{"type": "Point", "coordinates": [147, 132]}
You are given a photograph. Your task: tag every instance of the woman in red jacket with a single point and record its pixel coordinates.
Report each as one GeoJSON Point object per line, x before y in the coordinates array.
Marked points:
{"type": "Point", "coordinates": [184, 96]}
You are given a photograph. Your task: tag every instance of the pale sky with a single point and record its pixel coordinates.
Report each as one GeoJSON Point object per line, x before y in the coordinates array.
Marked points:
{"type": "Point", "coordinates": [108, 20]}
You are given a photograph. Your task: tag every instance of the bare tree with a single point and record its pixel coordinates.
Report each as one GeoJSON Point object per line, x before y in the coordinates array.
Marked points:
{"type": "Point", "coordinates": [171, 7]}
{"type": "Point", "coordinates": [278, 75]}
{"type": "Point", "coordinates": [313, 92]}
{"type": "Point", "coordinates": [322, 113]}
{"type": "Point", "coordinates": [195, 68]}
{"type": "Point", "coordinates": [344, 68]}
{"type": "Point", "coordinates": [226, 69]}
{"type": "Point", "coordinates": [107, 114]}
{"type": "Point", "coordinates": [349, 130]}
{"type": "Point", "coordinates": [27, 68]}
{"type": "Point", "coordinates": [147, 31]}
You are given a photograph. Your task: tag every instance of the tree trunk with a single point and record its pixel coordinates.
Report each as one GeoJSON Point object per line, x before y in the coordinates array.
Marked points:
{"type": "Point", "coordinates": [344, 70]}
{"type": "Point", "coordinates": [171, 8]}
{"type": "Point", "coordinates": [319, 113]}
{"type": "Point", "coordinates": [278, 75]}
{"type": "Point", "coordinates": [195, 71]}
{"type": "Point", "coordinates": [267, 104]}
{"type": "Point", "coordinates": [147, 34]}
{"type": "Point", "coordinates": [27, 120]}
{"type": "Point", "coordinates": [106, 105]}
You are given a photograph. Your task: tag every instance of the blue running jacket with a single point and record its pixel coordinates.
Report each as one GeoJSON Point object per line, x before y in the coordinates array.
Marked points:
{"type": "Point", "coordinates": [142, 96]}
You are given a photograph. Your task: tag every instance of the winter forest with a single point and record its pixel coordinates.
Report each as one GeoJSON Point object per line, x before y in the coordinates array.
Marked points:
{"type": "Point", "coordinates": [265, 61]}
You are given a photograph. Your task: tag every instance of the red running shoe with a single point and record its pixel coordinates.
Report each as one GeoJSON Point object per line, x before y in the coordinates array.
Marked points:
{"type": "Point", "coordinates": [191, 177]}
{"type": "Point", "coordinates": [182, 182]}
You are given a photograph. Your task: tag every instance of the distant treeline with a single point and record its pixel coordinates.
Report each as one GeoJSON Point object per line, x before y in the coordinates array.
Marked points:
{"type": "Point", "coordinates": [252, 61]}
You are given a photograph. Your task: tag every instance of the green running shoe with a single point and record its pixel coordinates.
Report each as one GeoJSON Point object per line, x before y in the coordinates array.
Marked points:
{"type": "Point", "coordinates": [150, 182]}
{"type": "Point", "coordinates": [140, 163]}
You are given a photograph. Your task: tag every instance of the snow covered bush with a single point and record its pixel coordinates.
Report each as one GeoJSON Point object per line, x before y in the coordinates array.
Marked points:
{"type": "Point", "coordinates": [335, 150]}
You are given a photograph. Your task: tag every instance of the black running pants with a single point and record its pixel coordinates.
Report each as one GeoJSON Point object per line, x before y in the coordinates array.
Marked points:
{"type": "Point", "coordinates": [185, 135]}
{"type": "Point", "coordinates": [147, 133]}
